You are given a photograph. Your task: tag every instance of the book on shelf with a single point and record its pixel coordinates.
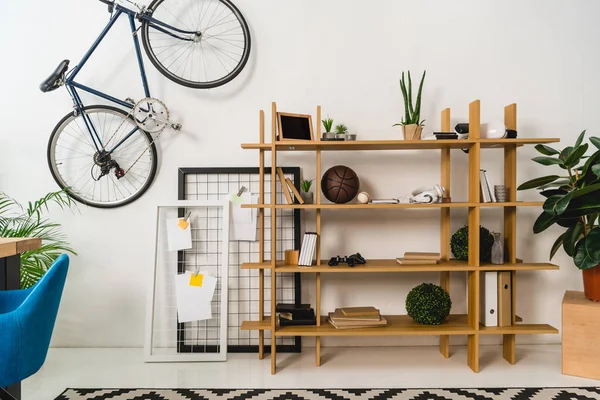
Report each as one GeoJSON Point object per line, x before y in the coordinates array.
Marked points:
{"type": "Point", "coordinates": [420, 255]}
{"type": "Point", "coordinates": [288, 307]}
{"type": "Point", "coordinates": [297, 322]}
{"type": "Point", "coordinates": [339, 315]}
{"type": "Point", "coordinates": [359, 311]}
{"type": "Point", "coordinates": [487, 193]}
{"type": "Point", "coordinates": [404, 261]}
{"type": "Point", "coordinates": [345, 324]}
{"type": "Point", "coordinates": [284, 186]}
{"type": "Point", "coordinates": [300, 314]}
{"type": "Point", "coordinates": [294, 190]}
{"type": "Point", "coordinates": [307, 250]}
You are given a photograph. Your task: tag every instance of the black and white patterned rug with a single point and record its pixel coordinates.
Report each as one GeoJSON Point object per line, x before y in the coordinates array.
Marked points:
{"type": "Point", "coordinates": [583, 393]}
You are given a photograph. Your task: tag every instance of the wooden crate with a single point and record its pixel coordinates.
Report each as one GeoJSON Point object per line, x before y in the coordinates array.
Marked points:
{"type": "Point", "coordinates": [580, 336]}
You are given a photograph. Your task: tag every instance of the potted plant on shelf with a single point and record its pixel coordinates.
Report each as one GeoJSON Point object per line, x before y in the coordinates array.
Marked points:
{"type": "Point", "coordinates": [573, 202]}
{"type": "Point", "coordinates": [328, 124]}
{"type": "Point", "coordinates": [340, 131]}
{"type": "Point", "coordinates": [412, 126]}
{"type": "Point", "coordinates": [306, 194]}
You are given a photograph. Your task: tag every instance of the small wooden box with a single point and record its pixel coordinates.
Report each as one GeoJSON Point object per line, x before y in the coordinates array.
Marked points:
{"type": "Point", "coordinates": [291, 257]}
{"type": "Point", "coordinates": [580, 336]}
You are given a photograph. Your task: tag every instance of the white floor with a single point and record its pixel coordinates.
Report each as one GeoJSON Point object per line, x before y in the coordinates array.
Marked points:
{"type": "Point", "coordinates": [418, 367]}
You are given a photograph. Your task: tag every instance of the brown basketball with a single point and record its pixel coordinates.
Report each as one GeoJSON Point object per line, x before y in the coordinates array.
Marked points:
{"type": "Point", "coordinates": [340, 184]}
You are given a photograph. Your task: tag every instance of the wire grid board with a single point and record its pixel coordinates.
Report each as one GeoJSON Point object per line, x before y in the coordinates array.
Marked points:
{"type": "Point", "coordinates": [218, 183]}
{"type": "Point", "coordinates": [209, 225]}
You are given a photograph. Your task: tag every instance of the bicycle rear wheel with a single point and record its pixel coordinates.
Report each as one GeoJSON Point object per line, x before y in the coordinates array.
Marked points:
{"type": "Point", "coordinates": [76, 165]}
{"type": "Point", "coordinates": [213, 55]}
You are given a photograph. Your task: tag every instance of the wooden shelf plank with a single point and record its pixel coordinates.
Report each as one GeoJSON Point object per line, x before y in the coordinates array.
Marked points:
{"type": "Point", "coordinates": [264, 325]}
{"type": "Point", "coordinates": [519, 329]}
{"type": "Point", "coordinates": [354, 206]}
{"type": "Point", "coordinates": [519, 266]}
{"type": "Point", "coordinates": [374, 266]}
{"type": "Point", "coordinates": [398, 325]}
{"type": "Point", "coordinates": [302, 145]}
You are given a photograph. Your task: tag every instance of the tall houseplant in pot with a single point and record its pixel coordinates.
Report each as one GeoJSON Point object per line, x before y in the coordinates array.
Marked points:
{"type": "Point", "coordinates": [412, 125]}
{"type": "Point", "coordinates": [573, 202]}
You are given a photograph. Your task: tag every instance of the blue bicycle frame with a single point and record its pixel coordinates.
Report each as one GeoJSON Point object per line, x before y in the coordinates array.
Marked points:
{"type": "Point", "coordinates": [71, 85]}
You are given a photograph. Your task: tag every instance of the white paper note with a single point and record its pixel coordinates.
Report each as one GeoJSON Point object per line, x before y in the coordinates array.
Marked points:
{"type": "Point", "coordinates": [243, 220]}
{"type": "Point", "coordinates": [194, 302]}
{"type": "Point", "coordinates": [177, 238]}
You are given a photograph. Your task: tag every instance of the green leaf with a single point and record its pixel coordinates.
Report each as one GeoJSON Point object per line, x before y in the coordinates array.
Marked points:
{"type": "Point", "coordinates": [418, 103]}
{"type": "Point", "coordinates": [537, 182]}
{"type": "Point", "coordinates": [595, 141]}
{"type": "Point", "coordinates": [584, 202]}
{"type": "Point", "coordinates": [571, 237]}
{"type": "Point", "coordinates": [543, 222]}
{"type": "Point", "coordinates": [553, 192]}
{"type": "Point", "coordinates": [548, 161]}
{"type": "Point", "coordinates": [567, 222]}
{"type": "Point", "coordinates": [546, 150]}
{"type": "Point", "coordinates": [560, 183]}
{"type": "Point", "coordinates": [562, 204]}
{"type": "Point", "coordinates": [410, 106]}
{"type": "Point", "coordinates": [596, 170]}
{"type": "Point", "coordinates": [556, 245]}
{"type": "Point", "coordinates": [566, 153]}
{"type": "Point", "coordinates": [550, 204]}
{"type": "Point", "coordinates": [580, 139]}
{"type": "Point", "coordinates": [587, 250]}
{"type": "Point", "coordinates": [575, 156]}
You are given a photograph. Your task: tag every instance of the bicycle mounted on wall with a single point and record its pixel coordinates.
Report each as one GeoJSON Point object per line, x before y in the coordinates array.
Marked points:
{"type": "Point", "coordinates": [105, 156]}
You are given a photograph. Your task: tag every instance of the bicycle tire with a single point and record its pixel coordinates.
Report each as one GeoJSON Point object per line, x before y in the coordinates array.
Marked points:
{"type": "Point", "coordinates": [50, 154]}
{"type": "Point", "coordinates": [146, 40]}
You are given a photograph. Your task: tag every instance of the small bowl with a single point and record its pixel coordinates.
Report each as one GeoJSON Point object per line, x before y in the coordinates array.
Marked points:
{"type": "Point", "coordinates": [350, 136]}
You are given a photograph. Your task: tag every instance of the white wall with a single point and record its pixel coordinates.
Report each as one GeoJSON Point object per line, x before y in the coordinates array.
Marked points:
{"type": "Point", "coordinates": [346, 55]}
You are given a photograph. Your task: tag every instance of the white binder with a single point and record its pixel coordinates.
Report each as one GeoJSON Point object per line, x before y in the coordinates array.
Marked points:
{"type": "Point", "coordinates": [489, 298]}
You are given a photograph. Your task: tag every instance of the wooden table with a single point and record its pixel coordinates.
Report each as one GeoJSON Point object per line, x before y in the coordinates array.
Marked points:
{"type": "Point", "coordinates": [10, 276]}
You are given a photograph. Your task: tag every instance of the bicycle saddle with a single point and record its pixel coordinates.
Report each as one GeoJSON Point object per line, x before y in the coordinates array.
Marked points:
{"type": "Point", "coordinates": [56, 79]}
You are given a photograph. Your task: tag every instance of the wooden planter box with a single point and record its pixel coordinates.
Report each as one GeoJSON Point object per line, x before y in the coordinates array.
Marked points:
{"type": "Point", "coordinates": [580, 336]}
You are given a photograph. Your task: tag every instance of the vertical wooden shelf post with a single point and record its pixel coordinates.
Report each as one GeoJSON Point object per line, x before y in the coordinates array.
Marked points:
{"type": "Point", "coordinates": [474, 221]}
{"type": "Point", "coordinates": [261, 239]}
{"type": "Point", "coordinates": [318, 229]}
{"type": "Point", "coordinates": [445, 225]}
{"type": "Point", "coordinates": [510, 223]}
{"type": "Point", "coordinates": [273, 236]}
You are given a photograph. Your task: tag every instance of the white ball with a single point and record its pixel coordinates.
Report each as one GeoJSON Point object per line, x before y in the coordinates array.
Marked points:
{"type": "Point", "coordinates": [363, 197]}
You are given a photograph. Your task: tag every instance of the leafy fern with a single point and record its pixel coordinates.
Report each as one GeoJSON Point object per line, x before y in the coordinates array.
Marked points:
{"type": "Point", "coordinates": [18, 221]}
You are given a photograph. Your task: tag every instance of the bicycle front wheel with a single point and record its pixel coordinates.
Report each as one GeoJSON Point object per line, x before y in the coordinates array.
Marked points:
{"type": "Point", "coordinates": [89, 174]}
{"type": "Point", "coordinates": [213, 50]}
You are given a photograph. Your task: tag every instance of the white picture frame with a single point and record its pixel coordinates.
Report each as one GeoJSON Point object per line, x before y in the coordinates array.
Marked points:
{"type": "Point", "coordinates": [149, 354]}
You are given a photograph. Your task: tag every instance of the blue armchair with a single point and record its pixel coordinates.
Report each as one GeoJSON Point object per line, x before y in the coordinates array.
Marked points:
{"type": "Point", "coordinates": [26, 322]}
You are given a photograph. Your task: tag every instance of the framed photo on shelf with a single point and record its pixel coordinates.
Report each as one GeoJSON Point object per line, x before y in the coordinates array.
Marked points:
{"type": "Point", "coordinates": [294, 126]}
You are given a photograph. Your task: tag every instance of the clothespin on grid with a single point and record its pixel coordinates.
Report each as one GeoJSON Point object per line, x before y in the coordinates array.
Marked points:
{"type": "Point", "coordinates": [184, 223]}
{"type": "Point", "coordinates": [237, 199]}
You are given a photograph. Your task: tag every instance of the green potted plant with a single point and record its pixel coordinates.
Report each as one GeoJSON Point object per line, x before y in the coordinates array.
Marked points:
{"type": "Point", "coordinates": [573, 202]}
{"type": "Point", "coordinates": [305, 192]}
{"type": "Point", "coordinates": [328, 124]}
{"type": "Point", "coordinates": [340, 131]}
{"type": "Point", "coordinates": [18, 221]}
{"type": "Point", "coordinates": [412, 126]}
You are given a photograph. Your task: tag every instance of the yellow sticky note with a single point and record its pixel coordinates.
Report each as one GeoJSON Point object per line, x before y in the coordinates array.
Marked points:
{"type": "Point", "coordinates": [183, 224]}
{"type": "Point", "coordinates": [196, 280]}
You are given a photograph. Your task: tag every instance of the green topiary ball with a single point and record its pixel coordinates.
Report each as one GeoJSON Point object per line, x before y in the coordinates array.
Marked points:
{"type": "Point", "coordinates": [428, 304]}
{"type": "Point", "coordinates": [459, 244]}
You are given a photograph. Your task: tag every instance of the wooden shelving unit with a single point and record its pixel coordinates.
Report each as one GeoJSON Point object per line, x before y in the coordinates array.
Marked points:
{"type": "Point", "coordinates": [399, 325]}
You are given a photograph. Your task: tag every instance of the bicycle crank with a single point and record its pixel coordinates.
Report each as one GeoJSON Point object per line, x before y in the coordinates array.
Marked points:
{"type": "Point", "coordinates": [152, 116]}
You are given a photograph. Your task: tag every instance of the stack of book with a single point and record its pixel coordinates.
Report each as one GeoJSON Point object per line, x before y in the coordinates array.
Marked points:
{"type": "Point", "coordinates": [295, 314]}
{"type": "Point", "coordinates": [307, 251]}
{"type": "Point", "coordinates": [414, 257]}
{"type": "Point", "coordinates": [356, 317]}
